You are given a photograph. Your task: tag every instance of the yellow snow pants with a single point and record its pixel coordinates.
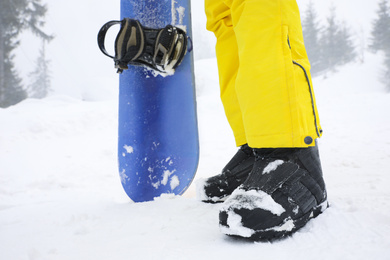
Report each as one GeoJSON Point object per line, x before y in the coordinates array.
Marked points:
{"type": "Point", "coordinates": [264, 72]}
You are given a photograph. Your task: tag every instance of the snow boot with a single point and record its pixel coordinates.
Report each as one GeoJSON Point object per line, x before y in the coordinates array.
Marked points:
{"type": "Point", "coordinates": [283, 192]}
{"type": "Point", "coordinates": [216, 189]}
{"type": "Point", "coordinates": [159, 49]}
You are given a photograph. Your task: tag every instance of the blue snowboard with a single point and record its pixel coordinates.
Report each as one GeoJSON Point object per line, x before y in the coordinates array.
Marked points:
{"type": "Point", "coordinates": [158, 146]}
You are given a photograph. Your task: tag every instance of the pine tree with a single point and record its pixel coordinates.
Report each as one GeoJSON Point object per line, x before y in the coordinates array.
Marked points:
{"type": "Point", "coordinates": [11, 91]}
{"type": "Point", "coordinates": [16, 16]}
{"type": "Point", "coordinates": [345, 50]}
{"type": "Point", "coordinates": [311, 33]}
{"type": "Point", "coordinates": [40, 77]}
{"type": "Point", "coordinates": [381, 28]}
{"type": "Point", "coordinates": [380, 38]}
{"type": "Point", "coordinates": [336, 44]}
{"type": "Point", "coordinates": [386, 76]}
{"type": "Point", "coordinates": [386, 49]}
{"type": "Point", "coordinates": [328, 41]}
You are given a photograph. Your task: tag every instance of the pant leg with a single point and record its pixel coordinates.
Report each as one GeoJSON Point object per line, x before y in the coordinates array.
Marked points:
{"type": "Point", "coordinates": [219, 21]}
{"type": "Point", "coordinates": [273, 83]}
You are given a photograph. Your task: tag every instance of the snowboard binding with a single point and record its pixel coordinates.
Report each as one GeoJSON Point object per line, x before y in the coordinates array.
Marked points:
{"type": "Point", "coordinates": [159, 49]}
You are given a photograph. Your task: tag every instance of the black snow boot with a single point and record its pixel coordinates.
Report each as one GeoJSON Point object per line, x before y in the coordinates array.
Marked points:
{"type": "Point", "coordinates": [217, 188]}
{"type": "Point", "coordinates": [282, 193]}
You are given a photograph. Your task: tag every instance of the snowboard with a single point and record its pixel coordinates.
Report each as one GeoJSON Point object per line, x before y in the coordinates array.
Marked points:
{"type": "Point", "coordinates": [158, 146]}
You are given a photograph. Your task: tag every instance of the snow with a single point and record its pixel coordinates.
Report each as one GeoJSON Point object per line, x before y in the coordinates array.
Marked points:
{"type": "Point", "coordinates": [60, 189]}
{"type": "Point", "coordinates": [272, 166]}
{"type": "Point", "coordinates": [129, 149]}
{"type": "Point", "coordinates": [174, 182]}
{"type": "Point", "coordinates": [258, 199]}
{"type": "Point", "coordinates": [166, 176]}
{"type": "Point", "coordinates": [201, 195]}
{"type": "Point", "coordinates": [234, 222]}
{"type": "Point", "coordinates": [249, 200]}
{"type": "Point", "coordinates": [286, 226]}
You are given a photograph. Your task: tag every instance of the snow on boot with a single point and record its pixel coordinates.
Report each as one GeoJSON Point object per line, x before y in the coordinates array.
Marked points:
{"type": "Point", "coordinates": [160, 49]}
{"type": "Point", "coordinates": [217, 188]}
{"type": "Point", "coordinates": [282, 193]}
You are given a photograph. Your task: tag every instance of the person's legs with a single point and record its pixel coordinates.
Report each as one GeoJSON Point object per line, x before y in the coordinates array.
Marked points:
{"type": "Point", "coordinates": [285, 187]}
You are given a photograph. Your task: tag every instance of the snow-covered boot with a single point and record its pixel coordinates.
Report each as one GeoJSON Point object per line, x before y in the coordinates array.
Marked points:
{"type": "Point", "coordinates": [282, 193]}
{"type": "Point", "coordinates": [217, 188]}
{"type": "Point", "coordinates": [161, 49]}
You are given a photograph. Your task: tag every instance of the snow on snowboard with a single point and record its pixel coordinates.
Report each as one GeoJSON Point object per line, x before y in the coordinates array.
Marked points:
{"type": "Point", "coordinates": [158, 147]}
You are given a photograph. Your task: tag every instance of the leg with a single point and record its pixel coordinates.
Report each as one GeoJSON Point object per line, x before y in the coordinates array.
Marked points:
{"type": "Point", "coordinates": [273, 82]}
{"type": "Point", "coordinates": [236, 171]}
{"type": "Point", "coordinates": [219, 21]}
{"type": "Point", "coordinates": [285, 187]}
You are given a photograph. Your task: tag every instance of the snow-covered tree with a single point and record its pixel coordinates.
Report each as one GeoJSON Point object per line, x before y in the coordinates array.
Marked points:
{"type": "Point", "coordinates": [336, 44]}
{"type": "Point", "coordinates": [39, 85]}
{"type": "Point", "coordinates": [311, 32]}
{"type": "Point", "coordinates": [11, 90]}
{"type": "Point", "coordinates": [329, 44]}
{"type": "Point", "coordinates": [16, 16]}
{"type": "Point", "coordinates": [346, 49]}
{"type": "Point", "coordinates": [380, 37]}
{"type": "Point", "coordinates": [380, 34]}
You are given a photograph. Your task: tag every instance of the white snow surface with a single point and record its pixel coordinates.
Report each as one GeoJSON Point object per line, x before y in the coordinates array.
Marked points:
{"type": "Point", "coordinates": [60, 190]}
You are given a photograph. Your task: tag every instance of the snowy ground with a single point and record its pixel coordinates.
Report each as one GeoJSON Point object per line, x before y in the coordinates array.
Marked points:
{"type": "Point", "coordinates": [61, 198]}
{"type": "Point", "coordinates": [60, 194]}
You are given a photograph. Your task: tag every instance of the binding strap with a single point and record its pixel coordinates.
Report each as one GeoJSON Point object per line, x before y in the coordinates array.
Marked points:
{"type": "Point", "coordinates": [160, 49]}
